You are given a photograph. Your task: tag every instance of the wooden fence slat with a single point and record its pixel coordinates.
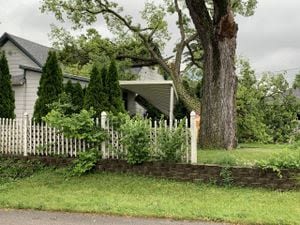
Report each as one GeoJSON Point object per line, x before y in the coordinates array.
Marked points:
{"type": "Point", "coordinates": [45, 140]}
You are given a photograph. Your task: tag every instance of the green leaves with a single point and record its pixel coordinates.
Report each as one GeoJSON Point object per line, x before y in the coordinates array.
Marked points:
{"type": "Point", "coordinates": [96, 95]}
{"type": "Point", "coordinates": [244, 7]}
{"type": "Point", "coordinates": [7, 98]}
{"type": "Point", "coordinates": [136, 139]}
{"type": "Point", "coordinates": [267, 109]}
{"type": "Point", "coordinates": [104, 92]}
{"type": "Point", "coordinates": [85, 162]}
{"type": "Point", "coordinates": [50, 87]}
{"type": "Point", "coordinates": [171, 143]}
{"type": "Point", "coordinates": [80, 126]}
{"type": "Point", "coordinates": [296, 83]}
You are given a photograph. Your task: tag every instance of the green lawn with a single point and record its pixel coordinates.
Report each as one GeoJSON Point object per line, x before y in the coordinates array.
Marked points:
{"type": "Point", "coordinates": [140, 196]}
{"type": "Point", "coordinates": [244, 154]}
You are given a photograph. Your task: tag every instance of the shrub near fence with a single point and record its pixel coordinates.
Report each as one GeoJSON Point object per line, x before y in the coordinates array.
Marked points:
{"type": "Point", "coordinates": [24, 137]}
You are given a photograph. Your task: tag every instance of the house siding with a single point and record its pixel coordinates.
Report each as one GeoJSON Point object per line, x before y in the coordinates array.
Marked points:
{"type": "Point", "coordinates": [26, 95]}
{"type": "Point", "coordinates": [15, 58]}
{"type": "Point", "coordinates": [147, 73]}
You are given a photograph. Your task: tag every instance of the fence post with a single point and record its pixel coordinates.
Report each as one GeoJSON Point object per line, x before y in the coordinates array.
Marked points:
{"type": "Point", "coordinates": [193, 138]}
{"type": "Point", "coordinates": [25, 124]}
{"type": "Point", "coordinates": [103, 126]}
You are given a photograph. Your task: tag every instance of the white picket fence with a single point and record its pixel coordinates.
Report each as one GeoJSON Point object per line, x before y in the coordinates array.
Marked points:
{"type": "Point", "coordinates": [24, 137]}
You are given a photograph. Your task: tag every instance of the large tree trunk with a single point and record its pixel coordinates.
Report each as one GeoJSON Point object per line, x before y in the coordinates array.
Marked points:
{"type": "Point", "coordinates": [218, 108]}
{"type": "Point", "coordinates": [218, 111]}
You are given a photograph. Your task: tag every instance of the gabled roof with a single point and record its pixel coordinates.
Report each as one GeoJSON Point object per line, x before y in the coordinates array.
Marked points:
{"type": "Point", "coordinates": [36, 52]}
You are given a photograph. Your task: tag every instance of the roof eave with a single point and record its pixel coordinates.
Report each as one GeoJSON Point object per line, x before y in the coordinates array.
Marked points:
{"type": "Point", "coordinates": [6, 37]}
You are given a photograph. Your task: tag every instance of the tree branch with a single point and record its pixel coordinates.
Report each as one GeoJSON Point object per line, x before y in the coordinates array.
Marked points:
{"type": "Point", "coordinates": [193, 59]}
{"type": "Point", "coordinates": [181, 45]}
{"type": "Point", "coordinates": [202, 20]}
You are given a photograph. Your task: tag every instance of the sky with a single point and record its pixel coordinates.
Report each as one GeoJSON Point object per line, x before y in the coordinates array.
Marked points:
{"type": "Point", "coordinates": [270, 39]}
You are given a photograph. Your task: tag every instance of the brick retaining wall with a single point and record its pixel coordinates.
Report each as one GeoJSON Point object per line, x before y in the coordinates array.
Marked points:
{"type": "Point", "coordinates": [241, 176]}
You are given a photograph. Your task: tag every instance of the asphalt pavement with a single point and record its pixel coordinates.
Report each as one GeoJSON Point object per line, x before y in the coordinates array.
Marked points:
{"type": "Point", "coordinates": [30, 217]}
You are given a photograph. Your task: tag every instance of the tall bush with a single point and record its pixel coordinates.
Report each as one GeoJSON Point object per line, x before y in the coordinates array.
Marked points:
{"type": "Point", "coordinates": [171, 143]}
{"type": "Point", "coordinates": [136, 139]}
{"type": "Point", "coordinates": [51, 86]}
{"type": "Point", "coordinates": [79, 126]}
{"type": "Point", "coordinates": [95, 96]}
{"type": "Point", "coordinates": [113, 89]}
{"type": "Point", "coordinates": [76, 94]}
{"type": "Point", "coordinates": [7, 98]}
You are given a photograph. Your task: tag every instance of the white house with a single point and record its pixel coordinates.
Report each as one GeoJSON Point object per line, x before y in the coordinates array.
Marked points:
{"type": "Point", "coordinates": [26, 58]}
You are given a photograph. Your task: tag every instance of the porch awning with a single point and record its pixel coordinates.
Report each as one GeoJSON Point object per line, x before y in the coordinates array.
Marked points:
{"type": "Point", "coordinates": [160, 94]}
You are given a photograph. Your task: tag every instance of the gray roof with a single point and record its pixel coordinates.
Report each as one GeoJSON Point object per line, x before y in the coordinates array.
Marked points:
{"type": "Point", "coordinates": [38, 53]}
{"type": "Point", "coordinates": [65, 75]}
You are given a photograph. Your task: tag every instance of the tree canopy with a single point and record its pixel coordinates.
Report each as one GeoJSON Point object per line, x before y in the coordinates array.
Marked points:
{"type": "Point", "coordinates": [207, 42]}
{"type": "Point", "coordinates": [267, 109]}
{"type": "Point", "coordinates": [140, 40]}
{"type": "Point", "coordinates": [296, 83]}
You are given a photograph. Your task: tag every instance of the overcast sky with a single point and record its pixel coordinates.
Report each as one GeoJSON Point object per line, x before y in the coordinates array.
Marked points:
{"type": "Point", "coordinates": [270, 39]}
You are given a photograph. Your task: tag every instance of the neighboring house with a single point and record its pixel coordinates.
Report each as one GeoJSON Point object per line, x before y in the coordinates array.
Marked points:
{"type": "Point", "coordinates": [26, 59]}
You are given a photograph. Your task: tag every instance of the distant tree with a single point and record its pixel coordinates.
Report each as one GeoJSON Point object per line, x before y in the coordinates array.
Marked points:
{"type": "Point", "coordinates": [250, 116]}
{"type": "Point", "coordinates": [7, 98]}
{"type": "Point", "coordinates": [113, 89]}
{"type": "Point", "coordinates": [280, 107]}
{"type": "Point", "coordinates": [95, 96]}
{"type": "Point", "coordinates": [296, 83]}
{"type": "Point", "coordinates": [50, 88]}
{"type": "Point", "coordinates": [78, 54]}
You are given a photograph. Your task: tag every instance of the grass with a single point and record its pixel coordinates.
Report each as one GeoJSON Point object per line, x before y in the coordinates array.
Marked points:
{"type": "Point", "coordinates": [148, 197]}
{"type": "Point", "coordinates": [244, 154]}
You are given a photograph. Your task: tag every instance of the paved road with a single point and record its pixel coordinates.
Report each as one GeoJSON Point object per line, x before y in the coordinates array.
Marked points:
{"type": "Point", "coordinates": [29, 217]}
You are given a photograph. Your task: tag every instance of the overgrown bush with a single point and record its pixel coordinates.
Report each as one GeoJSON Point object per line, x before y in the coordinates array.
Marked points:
{"type": "Point", "coordinates": [76, 95]}
{"type": "Point", "coordinates": [287, 159]}
{"type": "Point", "coordinates": [171, 143]}
{"type": "Point", "coordinates": [80, 126]}
{"type": "Point", "coordinates": [226, 176]}
{"type": "Point", "coordinates": [85, 162]}
{"type": "Point", "coordinates": [136, 139]}
{"type": "Point", "coordinates": [96, 96]}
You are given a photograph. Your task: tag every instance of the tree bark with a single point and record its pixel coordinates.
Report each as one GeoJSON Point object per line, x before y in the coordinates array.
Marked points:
{"type": "Point", "coordinates": [218, 108]}
{"type": "Point", "coordinates": [218, 111]}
